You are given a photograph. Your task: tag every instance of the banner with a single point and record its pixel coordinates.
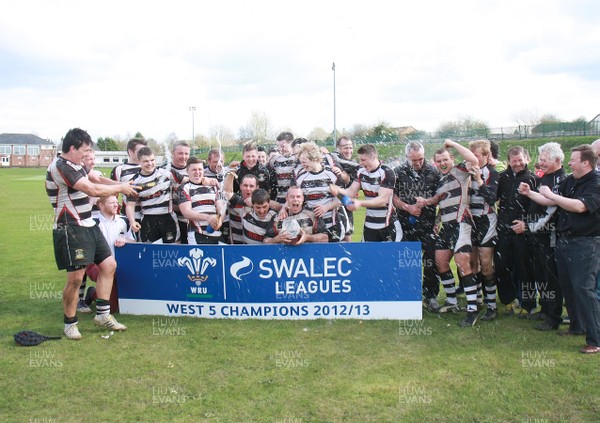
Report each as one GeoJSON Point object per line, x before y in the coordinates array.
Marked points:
{"type": "Point", "coordinates": [311, 281]}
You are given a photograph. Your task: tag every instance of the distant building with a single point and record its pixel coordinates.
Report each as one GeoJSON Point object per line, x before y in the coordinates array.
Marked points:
{"type": "Point", "coordinates": [405, 131]}
{"type": "Point", "coordinates": [110, 158]}
{"type": "Point", "coordinates": [26, 150]}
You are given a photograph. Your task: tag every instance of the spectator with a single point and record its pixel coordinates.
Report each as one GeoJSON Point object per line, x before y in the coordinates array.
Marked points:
{"type": "Point", "coordinates": [512, 260]}
{"type": "Point", "coordinates": [578, 244]}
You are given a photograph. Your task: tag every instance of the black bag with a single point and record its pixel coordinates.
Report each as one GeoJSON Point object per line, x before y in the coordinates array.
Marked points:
{"type": "Point", "coordinates": [28, 338]}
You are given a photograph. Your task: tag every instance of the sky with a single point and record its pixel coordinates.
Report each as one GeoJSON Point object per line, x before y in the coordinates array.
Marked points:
{"type": "Point", "coordinates": [118, 67]}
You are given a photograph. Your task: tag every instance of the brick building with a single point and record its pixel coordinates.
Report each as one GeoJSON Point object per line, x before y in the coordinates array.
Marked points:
{"type": "Point", "coordinates": [26, 150]}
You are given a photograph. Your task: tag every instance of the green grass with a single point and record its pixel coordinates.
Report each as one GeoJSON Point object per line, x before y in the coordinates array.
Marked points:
{"type": "Point", "coordinates": [186, 369]}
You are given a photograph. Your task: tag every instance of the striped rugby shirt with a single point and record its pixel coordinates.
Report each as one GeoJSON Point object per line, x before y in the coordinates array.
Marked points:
{"type": "Point", "coordinates": [370, 182]}
{"type": "Point", "coordinates": [453, 189]}
{"type": "Point", "coordinates": [155, 196]}
{"type": "Point", "coordinates": [283, 167]}
{"type": "Point", "coordinates": [178, 174]}
{"type": "Point", "coordinates": [71, 207]}
{"type": "Point", "coordinates": [125, 173]}
{"type": "Point", "coordinates": [237, 210]}
{"type": "Point", "coordinates": [202, 198]}
{"type": "Point", "coordinates": [315, 187]}
{"type": "Point", "coordinates": [255, 228]}
{"type": "Point", "coordinates": [483, 198]}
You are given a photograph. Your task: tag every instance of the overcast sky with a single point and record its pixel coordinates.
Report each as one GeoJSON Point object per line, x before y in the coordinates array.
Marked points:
{"type": "Point", "coordinates": [118, 67]}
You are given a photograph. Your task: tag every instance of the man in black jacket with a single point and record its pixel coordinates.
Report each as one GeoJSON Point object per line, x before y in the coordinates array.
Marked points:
{"type": "Point", "coordinates": [513, 255]}
{"type": "Point", "coordinates": [541, 224]}
{"type": "Point", "coordinates": [578, 243]}
{"type": "Point", "coordinates": [417, 178]}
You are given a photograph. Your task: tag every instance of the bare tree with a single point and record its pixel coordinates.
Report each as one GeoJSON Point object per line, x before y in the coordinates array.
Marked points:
{"type": "Point", "coordinates": [527, 119]}
{"type": "Point", "coordinates": [258, 128]}
{"type": "Point", "coordinates": [221, 135]}
{"type": "Point", "coordinates": [318, 134]}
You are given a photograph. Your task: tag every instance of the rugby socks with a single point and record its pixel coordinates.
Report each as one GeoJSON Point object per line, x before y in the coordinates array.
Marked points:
{"type": "Point", "coordinates": [82, 287]}
{"type": "Point", "coordinates": [70, 320]}
{"type": "Point", "coordinates": [102, 307]}
{"type": "Point", "coordinates": [470, 286]}
{"type": "Point", "coordinates": [490, 291]}
{"type": "Point", "coordinates": [448, 283]}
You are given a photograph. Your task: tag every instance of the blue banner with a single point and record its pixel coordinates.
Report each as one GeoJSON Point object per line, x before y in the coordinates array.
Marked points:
{"type": "Point", "coordinates": [310, 281]}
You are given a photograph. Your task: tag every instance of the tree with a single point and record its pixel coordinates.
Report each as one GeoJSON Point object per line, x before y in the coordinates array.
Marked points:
{"type": "Point", "coordinates": [258, 128]}
{"type": "Point", "coordinates": [108, 144]}
{"type": "Point", "coordinates": [318, 134]}
{"type": "Point", "coordinates": [527, 120]}
{"type": "Point", "coordinates": [221, 135]}
{"type": "Point", "coordinates": [464, 126]}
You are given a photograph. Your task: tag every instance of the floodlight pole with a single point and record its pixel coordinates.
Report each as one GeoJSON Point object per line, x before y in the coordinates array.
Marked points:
{"type": "Point", "coordinates": [334, 123]}
{"type": "Point", "coordinates": [192, 109]}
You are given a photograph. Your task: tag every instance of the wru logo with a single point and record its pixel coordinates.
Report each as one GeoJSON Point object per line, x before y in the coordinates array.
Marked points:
{"type": "Point", "coordinates": [197, 265]}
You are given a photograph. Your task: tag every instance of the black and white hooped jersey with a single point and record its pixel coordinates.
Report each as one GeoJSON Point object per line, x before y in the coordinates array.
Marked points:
{"type": "Point", "coordinates": [315, 186]}
{"type": "Point", "coordinates": [155, 196]}
{"type": "Point", "coordinates": [203, 200]}
{"type": "Point", "coordinates": [125, 173]}
{"type": "Point", "coordinates": [370, 183]}
{"type": "Point", "coordinates": [255, 228]}
{"type": "Point", "coordinates": [283, 168]}
{"type": "Point", "coordinates": [237, 210]}
{"type": "Point", "coordinates": [71, 207]}
{"type": "Point", "coordinates": [178, 175]}
{"type": "Point", "coordinates": [484, 197]}
{"type": "Point", "coordinates": [453, 189]}
{"type": "Point", "coordinates": [348, 166]}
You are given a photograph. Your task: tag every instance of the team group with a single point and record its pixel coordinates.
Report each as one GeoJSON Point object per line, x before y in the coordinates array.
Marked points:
{"type": "Point", "coordinates": [506, 231]}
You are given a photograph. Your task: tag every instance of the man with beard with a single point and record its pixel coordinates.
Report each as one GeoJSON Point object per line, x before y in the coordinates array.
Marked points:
{"type": "Point", "coordinates": [416, 178]}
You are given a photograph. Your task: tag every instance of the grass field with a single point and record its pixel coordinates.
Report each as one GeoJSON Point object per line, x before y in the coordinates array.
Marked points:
{"type": "Point", "coordinates": [189, 370]}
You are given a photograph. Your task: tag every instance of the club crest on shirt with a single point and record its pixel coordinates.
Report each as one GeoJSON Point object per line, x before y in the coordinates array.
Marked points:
{"type": "Point", "coordinates": [79, 254]}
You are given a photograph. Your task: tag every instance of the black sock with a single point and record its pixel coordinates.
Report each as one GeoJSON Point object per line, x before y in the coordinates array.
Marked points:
{"type": "Point", "coordinates": [70, 320]}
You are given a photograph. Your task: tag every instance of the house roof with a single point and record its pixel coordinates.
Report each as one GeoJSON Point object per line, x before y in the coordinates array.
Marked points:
{"type": "Point", "coordinates": [23, 139]}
